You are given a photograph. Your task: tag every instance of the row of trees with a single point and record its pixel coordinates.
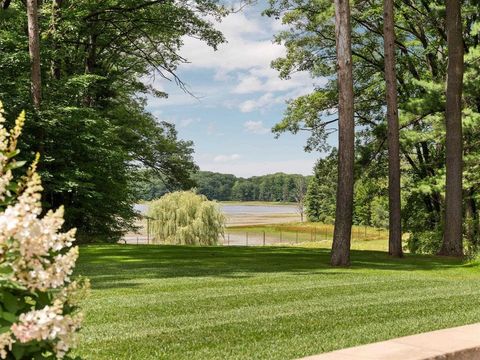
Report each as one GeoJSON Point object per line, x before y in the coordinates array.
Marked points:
{"type": "Point", "coordinates": [402, 116]}
{"type": "Point", "coordinates": [81, 70]}
{"type": "Point", "coordinates": [225, 187]}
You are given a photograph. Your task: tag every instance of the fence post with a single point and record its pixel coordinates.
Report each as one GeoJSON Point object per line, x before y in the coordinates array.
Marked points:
{"type": "Point", "coordinates": [148, 231]}
{"type": "Point", "coordinates": [246, 238]}
{"type": "Point", "coordinates": [314, 234]}
{"type": "Point", "coordinates": [137, 240]}
{"type": "Point", "coordinates": [263, 237]}
{"type": "Point", "coordinates": [296, 236]}
{"type": "Point", "coordinates": [228, 238]}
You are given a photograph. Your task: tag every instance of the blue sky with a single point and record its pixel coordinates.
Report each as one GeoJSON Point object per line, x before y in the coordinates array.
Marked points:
{"type": "Point", "coordinates": [239, 99]}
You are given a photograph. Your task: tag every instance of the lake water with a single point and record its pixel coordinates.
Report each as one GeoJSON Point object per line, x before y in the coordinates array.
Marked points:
{"type": "Point", "coordinates": [243, 209]}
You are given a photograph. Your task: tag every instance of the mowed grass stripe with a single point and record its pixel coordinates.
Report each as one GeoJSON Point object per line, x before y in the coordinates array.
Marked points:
{"type": "Point", "coordinates": [267, 311]}
{"type": "Point", "coordinates": [263, 303]}
{"type": "Point", "coordinates": [279, 298]}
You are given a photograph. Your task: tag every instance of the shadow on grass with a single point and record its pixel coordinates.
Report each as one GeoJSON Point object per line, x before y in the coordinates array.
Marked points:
{"type": "Point", "coordinates": [116, 265]}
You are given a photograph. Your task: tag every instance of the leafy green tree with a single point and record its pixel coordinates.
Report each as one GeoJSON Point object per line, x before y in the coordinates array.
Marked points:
{"type": "Point", "coordinates": [214, 186]}
{"type": "Point", "coordinates": [92, 126]}
{"type": "Point", "coordinates": [186, 218]}
{"type": "Point", "coordinates": [320, 197]}
{"type": "Point", "coordinates": [421, 66]}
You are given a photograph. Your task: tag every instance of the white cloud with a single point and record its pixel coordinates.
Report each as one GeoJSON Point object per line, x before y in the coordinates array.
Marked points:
{"type": "Point", "coordinates": [255, 127]}
{"type": "Point", "coordinates": [241, 66]}
{"type": "Point", "coordinates": [226, 158]}
{"type": "Point", "coordinates": [249, 44]}
{"type": "Point", "coordinates": [248, 85]}
{"type": "Point", "coordinates": [186, 122]}
{"type": "Point", "coordinates": [212, 130]}
{"type": "Point", "coordinates": [270, 99]}
{"type": "Point", "coordinates": [265, 101]}
{"type": "Point", "coordinates": [267, 80]}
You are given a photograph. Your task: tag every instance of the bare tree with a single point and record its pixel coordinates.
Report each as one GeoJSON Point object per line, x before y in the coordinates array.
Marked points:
{"type": "Point", "coordinates": [346, 131]}
{"type": "Point", "coordinates": [394, 200]}
{"type": "Point", "coordinates": [34, 49]}
{"type": "Point", "coordinates": [300, 191]}
{"type": "Point", "coordinates": [452, 237]}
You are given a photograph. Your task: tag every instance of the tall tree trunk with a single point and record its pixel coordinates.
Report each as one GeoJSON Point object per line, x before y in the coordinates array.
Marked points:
{"type": "Point", "coordinates": [452, 237]}
{"type": "Point", "coordinates": [34, 49]}
{"type": "Point", "coordinates": [6, 4]}
{"type": "Point", "coordinates": [394, 201]}
{"type": "Point", "coordinates": [346, 132]}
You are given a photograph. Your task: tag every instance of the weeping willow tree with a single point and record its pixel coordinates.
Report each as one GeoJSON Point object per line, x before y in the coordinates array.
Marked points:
{"type": "Point", "coordinates": [186, 218]}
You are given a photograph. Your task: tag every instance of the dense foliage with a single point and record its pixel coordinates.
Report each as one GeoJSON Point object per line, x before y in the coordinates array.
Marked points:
{"type": "Point", "coordinates": [92, 127]}
{"type": "Point", "coordinates": [39, 314]}
{"type": "Point", "coordinates": [224, 187]}
{"type": "Point", "coordinates": [421, 67]}
{"type": "Point", "coordinates": [320, 197]}
{"type": "Point", "coordinates": [370, 202]}
{"type": "Point", "coordinates": [185, 218]}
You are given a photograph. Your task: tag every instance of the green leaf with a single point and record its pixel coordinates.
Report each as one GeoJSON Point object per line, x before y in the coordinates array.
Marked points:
{"type": "Point", "coordinates": [10, 302]}
{"type": "Point", "coordinates": [15, 165]}
{"type": "Point", "coordinates": [18, 350]}
{"type": "Point", "coordinates": [12, 153]}
{"type": "Point", "coordinates": [10, 317]}
{"type": "Point", "coordinates": [5, 270]}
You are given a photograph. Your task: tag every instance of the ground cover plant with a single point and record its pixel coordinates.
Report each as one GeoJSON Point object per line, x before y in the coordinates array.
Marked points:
{"type": "Point", "coordinates": [182, 302]}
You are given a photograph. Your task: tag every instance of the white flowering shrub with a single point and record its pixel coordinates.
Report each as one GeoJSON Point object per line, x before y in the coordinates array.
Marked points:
{"type": "Point", "coordinates": [39, 316]}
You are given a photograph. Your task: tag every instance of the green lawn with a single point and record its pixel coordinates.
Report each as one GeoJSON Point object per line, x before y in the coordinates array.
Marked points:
{"type": "Point", "coordinates": [171, 302]}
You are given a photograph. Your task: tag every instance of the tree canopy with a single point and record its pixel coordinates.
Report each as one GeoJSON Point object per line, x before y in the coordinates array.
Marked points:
{"type": "Point", "coordinates": [92, 127]}
{"type": "Point", "coordinates": [421, 56]}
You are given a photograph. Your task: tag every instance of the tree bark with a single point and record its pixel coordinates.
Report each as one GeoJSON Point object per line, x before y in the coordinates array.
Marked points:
{"type": "Point", "coordinates": [6, 4]}
{"type": "Point", "coordinates": [346, 131]}
{"type": "Point", "coordinates": [394, 200]}
{"type": "Point", "coordinates": [34, 50]}
{"type": "Point", "coordinates": [452, 237]}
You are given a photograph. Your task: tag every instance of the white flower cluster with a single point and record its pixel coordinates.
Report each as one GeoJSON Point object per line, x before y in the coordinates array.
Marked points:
{"type": "Point", "coordinates": [6, 342]}
{"type": "Point", "coordinates": [40, 257]}
{"type": "Point", "coordinates": [8, 143]}
{"type": "Point", "coordinates": [48, 324]}
{"type": "Point", "coordinates": [35, 239]}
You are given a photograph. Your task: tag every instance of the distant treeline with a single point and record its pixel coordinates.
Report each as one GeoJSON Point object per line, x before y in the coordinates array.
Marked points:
{"type": "Point", "coordinates": [226, 187]}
